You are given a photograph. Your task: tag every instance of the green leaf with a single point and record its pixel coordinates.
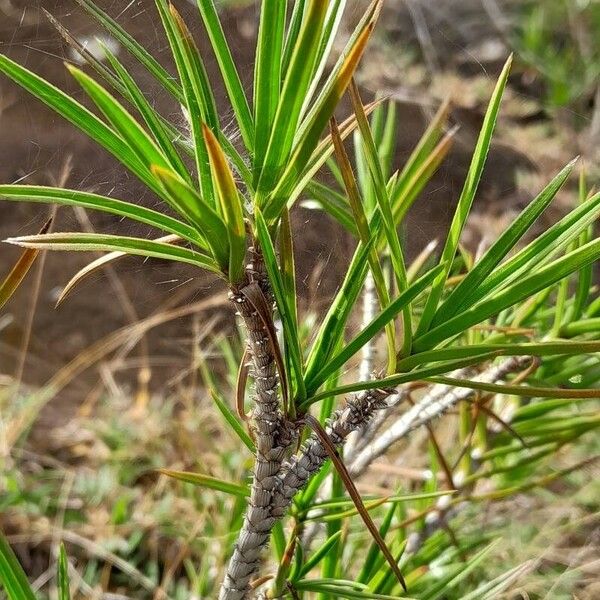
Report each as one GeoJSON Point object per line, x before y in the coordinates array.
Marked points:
{"type": "Point", "coordinates": [290, 186]}
{"type": "Point", "coordinates": [369, 332]}
{"type": "Point", "coordinates": [295, 23]}
{"type": "Point", "coordinates": [570, 348]}
{"type": "Point", "coordinates": [201, 214]}
{"type": "Point", "coordinates": [466, 199]}
{"type": "Point", "coordinates": [295, 85]}
{"type": "Point", "coordinates": [162, 135]}
{"type": "Point", "coordinates": [230, 205]}
{"type": "Point", "coordinates": [128, 128]}
{"type": "Point", "coordinates": [524, 288]}
{"type": "Point", "coordinates": [395, 380]}
{"type": "Point", "coordinates": [499, 250]}
{"type": "Point", "coordinates": [429, 140]}
{"type": "Point", "coordinates": [337, 588]}
{"type": "Point", "coordinates": [100, 263]}
{"type": "Point", "coordinates": [233, 421]}
{"type": "Point", "coordinates": [465, 571]}
{"type": "Point", "coordinates": [365, 234]}
{"type": "Point", "coordinates": [206, 481]}
{"type": "Point", "coordinates": [12, 576]}
{"type": "Point", "coordinates": [267, 75]}
{"type": "Point", "coordinates": [134, 48]}
{"type": "Point", "coordinates": [324, 106]}
{"type": "Point", "coordinates": [537, 251]}
{"type": "Point", "coordinates": [80, 116]}
{"type": "Point", "coordinates": [95, 242]}
{"type": "Point", "coordinates": [320, 553]}
{"type": "Point", "coordinates": [516, 390]}
{"type": "Point", "coordinates": [403, 196]}
{"type": "Point", "coordinates": [229, 72]}
{"type": "Point", "coordinates": [333, 203]}
{"type": "Point", "coordinates": [193, 80]}
{"type": "Point", "coordinates": [385, 210]}
{"type": "Point", "coordinates": [66, 197]}
{"type": "Point", "coordinates": [332, 327]}
{"type": "Point", "coordinates": [64, 590]}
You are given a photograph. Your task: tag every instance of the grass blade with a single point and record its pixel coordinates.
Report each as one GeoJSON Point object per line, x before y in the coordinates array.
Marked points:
{"type": "Point", "coordinates": [64, 589]}
{"type": "Point", "coordinates": [12, 576]}
{"type": "Point", "coordinates": [320, 553]}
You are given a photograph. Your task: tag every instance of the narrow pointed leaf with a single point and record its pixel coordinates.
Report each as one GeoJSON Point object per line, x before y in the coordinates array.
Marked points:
{"type": "Point", "coordinates": [206, 481]}
{"type": "Point", "coordinates": [201, 214]}
{"type": "Point", "coordinates": [134, 48]}
{"type": "Point", "coordinates": [94, 242]}
{"type": "Point", "coordinates": [320, 553]}
{"type": "Point", "coordinates": [522, 289]}
{"type": "Point", "coordinates": [64, 590]}
{"type": "Point", "coordinates": [80, 116]}
{"type": "Point", "coordinates": [231, 78]}
{"type": "Point", "coordinates": [365, 235]}
{"type": "Point", "coordinates": [230, 204]}
{"type": "Point", "coordinates": [190, 74]}
{"type": "Point", "coordinates": [295, 85]}
{"type": "Point", "coordinates": [503, 245]}
{"type": "Point", "coordinates": [389, 313]}
{"type": "Point", "coordinates": [466, 198]}
{"type": "Point", "coordinates": [128, 128]}
{"type": "Point", "coordinates": [323, 108]}
{"type": "Point", "coordinates": [267, 74]}
{"type": "Point", "coordinates": [66, 197]}
{"type": "Point", "coordinates": [385, 210]}
{"type": "Point", "coordinates": [286, 312]}
{"type": "Point", "coordinates": [12, 577]}
{"type": "Point", "coordinates": [164, 137]}
{"type": "Point", "coordinates": [233, 421]}
{"type": "Point", "coordinates": [537, 251]}
{"type": "Point", "coordinates": [100, 263]}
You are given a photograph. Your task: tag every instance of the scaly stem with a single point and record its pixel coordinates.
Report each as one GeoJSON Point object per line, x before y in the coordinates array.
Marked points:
{"type": "Point", "coordinates": [274, 436]}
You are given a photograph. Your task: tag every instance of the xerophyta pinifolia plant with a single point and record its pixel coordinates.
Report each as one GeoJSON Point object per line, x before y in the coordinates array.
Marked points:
{"type": "Point", "coordinates": [508, 338]}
